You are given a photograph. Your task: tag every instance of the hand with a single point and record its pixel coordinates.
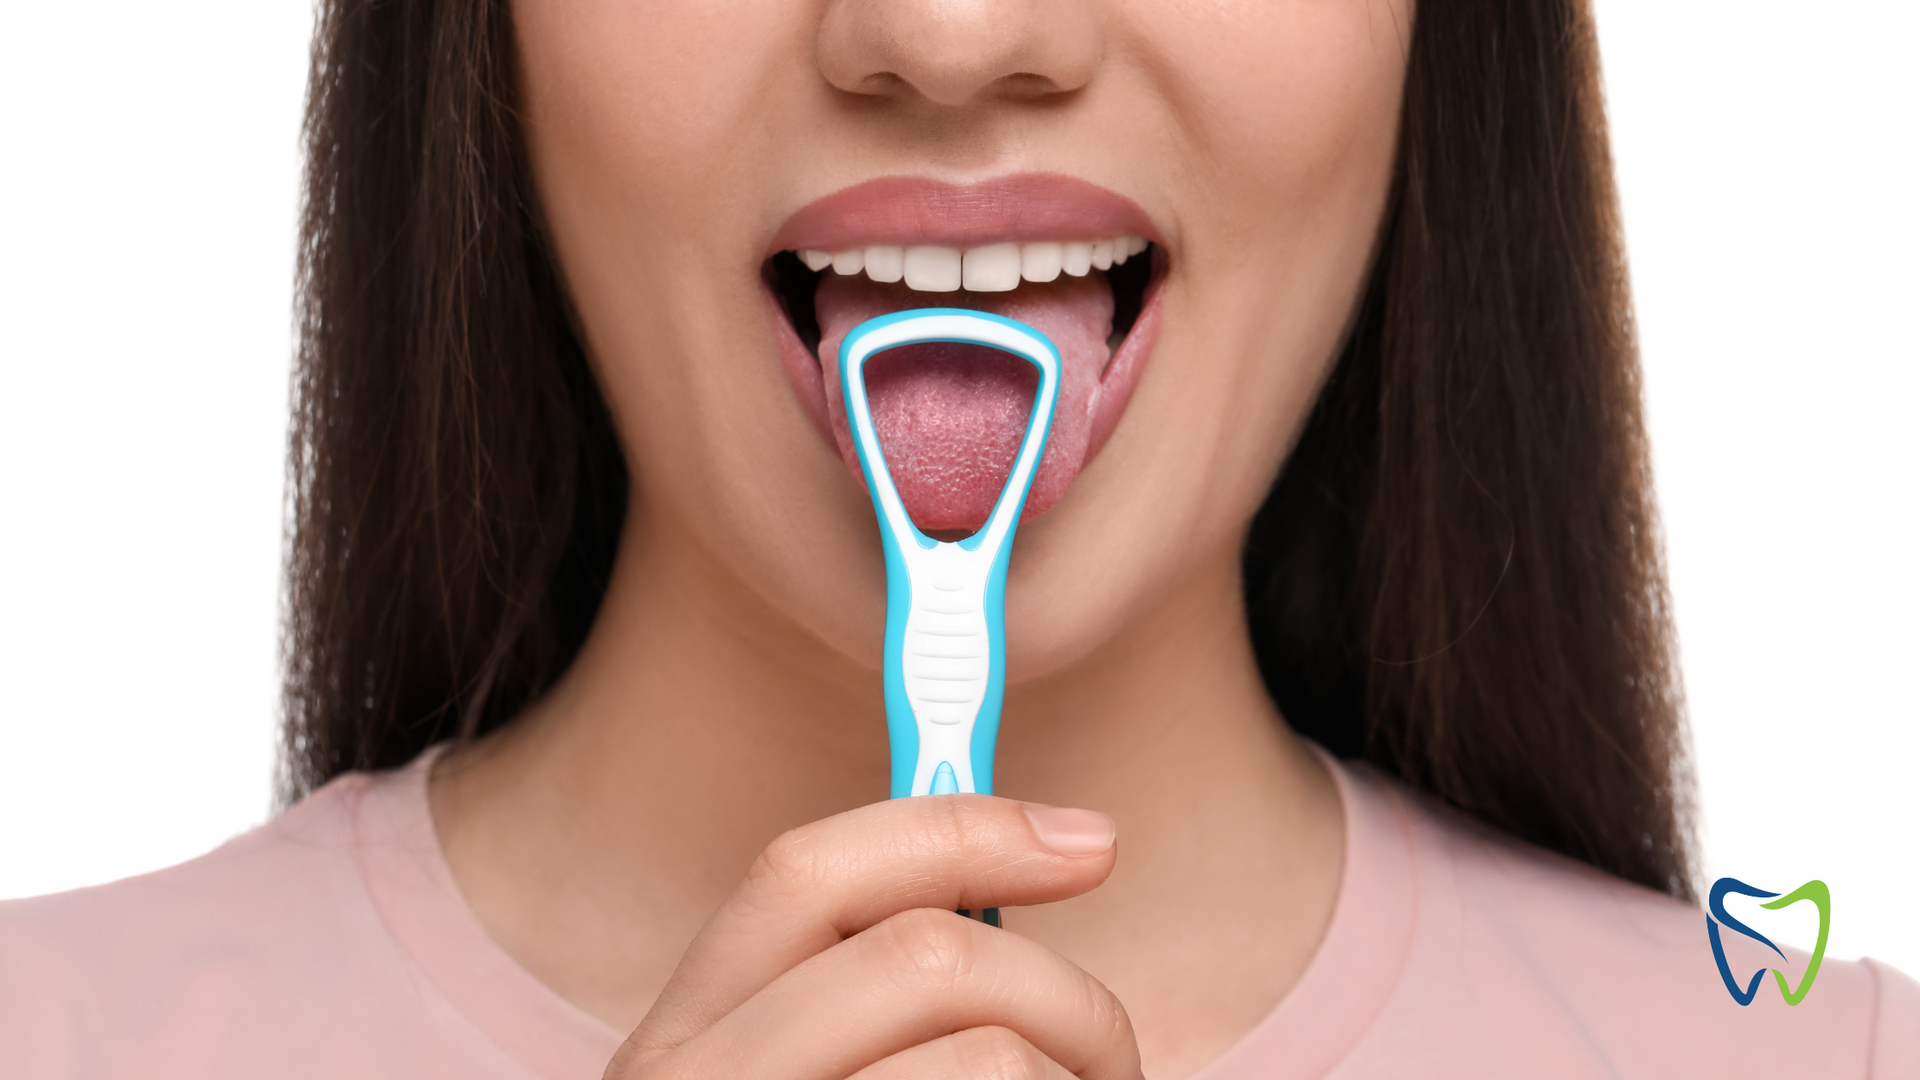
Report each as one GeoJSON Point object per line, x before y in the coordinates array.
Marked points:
{"type": "Point", "coordinates": [840, 956]}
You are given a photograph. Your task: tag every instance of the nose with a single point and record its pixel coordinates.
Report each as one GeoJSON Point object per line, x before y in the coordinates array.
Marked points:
{"type": "Point", "coordinates": [952, 52]}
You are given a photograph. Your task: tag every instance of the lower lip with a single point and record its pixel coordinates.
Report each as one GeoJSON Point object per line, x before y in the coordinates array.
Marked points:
{"type": "Point", "coordinates": [1117, 382]}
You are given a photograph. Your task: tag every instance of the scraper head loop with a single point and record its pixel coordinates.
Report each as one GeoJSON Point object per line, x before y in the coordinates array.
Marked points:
{"type": "Point", "coordinates": [960, 326]}
{"type": "Point", "coordinates": [945, 657]}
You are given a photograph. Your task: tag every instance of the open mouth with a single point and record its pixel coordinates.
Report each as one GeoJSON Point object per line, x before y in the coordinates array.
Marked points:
{"type": "Point", "coordinates": [951, 417]}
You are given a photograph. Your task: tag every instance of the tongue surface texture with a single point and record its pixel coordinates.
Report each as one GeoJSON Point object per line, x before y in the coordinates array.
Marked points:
{"type": "Point", "coordinates": [950, 417]}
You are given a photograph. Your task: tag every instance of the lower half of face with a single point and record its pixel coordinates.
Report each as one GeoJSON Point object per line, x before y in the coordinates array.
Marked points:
{"type": "Point", "coordinates": [1184, 198]}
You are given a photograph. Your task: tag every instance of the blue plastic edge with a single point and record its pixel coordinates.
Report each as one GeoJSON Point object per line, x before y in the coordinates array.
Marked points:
{"type": "Point", "coordinates": [986, 726]}
{"type": "Point", "coordinates": [903, 735]}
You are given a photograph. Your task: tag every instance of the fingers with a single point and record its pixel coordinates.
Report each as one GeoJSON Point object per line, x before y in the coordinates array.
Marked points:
{"type": "Point", "coordinates": [917, 978]}
{"type": "Point", "coordinates": [982, 1053]}
{"type": "Point", "coordinates": [825, 882]}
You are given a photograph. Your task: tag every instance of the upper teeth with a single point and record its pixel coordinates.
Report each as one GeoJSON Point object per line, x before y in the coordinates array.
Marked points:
{"type": "Point", "coordinates": [994, 268]}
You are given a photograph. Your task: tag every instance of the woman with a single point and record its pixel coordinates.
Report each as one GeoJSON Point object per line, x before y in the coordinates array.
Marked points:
{"type": "Point", "coordinates": [584, 713]}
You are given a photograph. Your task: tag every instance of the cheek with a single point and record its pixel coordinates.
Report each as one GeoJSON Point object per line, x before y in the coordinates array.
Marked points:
{"type": "Point", "coordinates": [1291, 107]}
{"type": "Point", "coordinates": [1286, 113]}
{"type": "Point", "coordinates": [1281, 119]}
{"type": "Point", "coordinates": [653, 106]}
{"type": "Point", "coordinates": [650, 132]}
{"type": "Point", "coordinates": [648, 136]}
{"type": "Point", "coordinates": [1298, 92]}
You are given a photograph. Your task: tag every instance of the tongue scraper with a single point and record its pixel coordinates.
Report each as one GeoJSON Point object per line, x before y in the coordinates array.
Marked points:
{"type": "Point", "coordinates": [946, 653]}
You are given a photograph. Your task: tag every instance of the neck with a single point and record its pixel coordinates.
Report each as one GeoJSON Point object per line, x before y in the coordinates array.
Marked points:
{"type": "Point", "coordinates": [594, 835]}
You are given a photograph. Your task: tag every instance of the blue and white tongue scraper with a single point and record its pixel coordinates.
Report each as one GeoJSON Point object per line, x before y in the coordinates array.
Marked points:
{"type": "Point", "coordinates": [946, 654]}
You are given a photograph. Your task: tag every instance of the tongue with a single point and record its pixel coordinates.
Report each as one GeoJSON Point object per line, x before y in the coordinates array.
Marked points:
{"type": "Point", "coordinates": [950, 417]}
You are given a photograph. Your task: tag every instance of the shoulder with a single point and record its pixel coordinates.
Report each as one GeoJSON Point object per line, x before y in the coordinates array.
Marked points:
{"type": "Point", "coordinates": [1555, 961]}
{"type": "Point", "coordinates": [293, 866]}
{"type": "Point", "coordinates": [207, 962]}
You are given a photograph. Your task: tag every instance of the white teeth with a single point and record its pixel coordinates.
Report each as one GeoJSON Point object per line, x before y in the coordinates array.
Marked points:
{"type": "Point", "coordinates": [932, 269]}
{"type": "Point", "coordinates": [1076, 259]}
{"type": "Point", "coordinates": [1040, 262]}
{"type": "Point", "coordinates": [886, 264]}
{"type": "Point", "coordinates": [994, 268]}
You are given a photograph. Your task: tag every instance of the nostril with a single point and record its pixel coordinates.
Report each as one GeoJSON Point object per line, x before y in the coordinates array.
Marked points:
{"type": "Point", "coordinates": [882, 84]}
{"type": "Point", "coordinates": [1026, 85]}
{"type": "Point", "coordinates": [951, 53]}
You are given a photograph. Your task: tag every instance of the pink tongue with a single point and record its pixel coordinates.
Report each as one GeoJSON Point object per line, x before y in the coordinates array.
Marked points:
{"type": "Point", "coordinates": [950, 417]}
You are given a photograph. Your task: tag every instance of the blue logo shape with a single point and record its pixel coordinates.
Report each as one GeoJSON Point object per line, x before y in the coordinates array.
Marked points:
{"type": "Point", "coordinates": [1815, 891]}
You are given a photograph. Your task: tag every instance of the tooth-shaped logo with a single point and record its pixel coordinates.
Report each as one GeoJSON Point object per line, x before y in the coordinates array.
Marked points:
{"type": "Point", "coordinates": [1815, 891]}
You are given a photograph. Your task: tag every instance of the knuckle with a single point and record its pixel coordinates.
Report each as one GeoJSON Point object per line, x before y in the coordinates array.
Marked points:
{"type": "Point", "coordinates": [926, 946]}
{"type": "Point", "coordinates": [1114, 1027]}
{"type": "Point", "coordinates": [786, 868]}
{"type": "Point", "coordinates": [1111, 1019]}
{"type": "Point", "coordinates": [635, 1061]}
{"type": "Point", "coordinates": [954, 825]}
{"type": "Point", "coordinates": [939, 826]}
{"type": "Point", "coordinates": [997, 1053]}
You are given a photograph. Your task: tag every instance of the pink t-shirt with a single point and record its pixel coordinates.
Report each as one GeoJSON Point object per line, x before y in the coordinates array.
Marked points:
{"type": "Point", "coordinates": [333, 942]}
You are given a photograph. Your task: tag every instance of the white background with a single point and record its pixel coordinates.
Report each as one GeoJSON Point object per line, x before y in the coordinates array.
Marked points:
{"type": "Point", "coordinates": [1767, 165]}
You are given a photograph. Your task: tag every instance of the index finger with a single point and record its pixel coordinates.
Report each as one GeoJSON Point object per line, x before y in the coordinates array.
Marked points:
{"type": "Point", "coordinates": [822, 883]}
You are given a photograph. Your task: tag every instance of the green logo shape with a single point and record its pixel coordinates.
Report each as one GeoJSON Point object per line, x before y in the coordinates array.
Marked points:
{"type": "Point", "coordinates": [1816, 891]}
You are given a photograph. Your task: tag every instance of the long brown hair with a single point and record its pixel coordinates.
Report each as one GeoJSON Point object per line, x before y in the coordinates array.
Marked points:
{"type": "Point", "coordinates": [1457, 576]}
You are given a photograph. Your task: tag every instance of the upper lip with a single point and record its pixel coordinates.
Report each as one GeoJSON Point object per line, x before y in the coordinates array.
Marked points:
{"type": "Point", "coordinates": [908, 210]}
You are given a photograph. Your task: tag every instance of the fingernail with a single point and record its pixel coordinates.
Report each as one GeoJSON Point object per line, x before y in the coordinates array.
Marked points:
{"type": "Point", "coordinates": [1071, 832]}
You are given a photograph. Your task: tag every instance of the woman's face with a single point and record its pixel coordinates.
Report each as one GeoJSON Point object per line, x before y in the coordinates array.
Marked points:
{"type": "Point", "coordinates": [681, 146]}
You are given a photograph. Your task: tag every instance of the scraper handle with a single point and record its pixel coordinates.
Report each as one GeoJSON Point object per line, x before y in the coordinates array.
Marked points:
{"type": "Point", "coordinates": [945, 652]}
